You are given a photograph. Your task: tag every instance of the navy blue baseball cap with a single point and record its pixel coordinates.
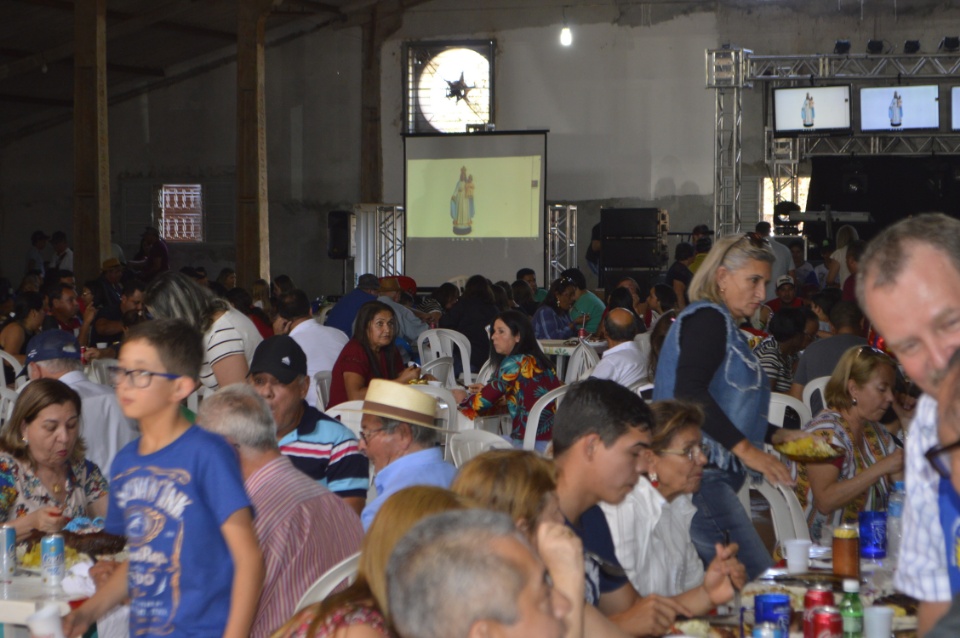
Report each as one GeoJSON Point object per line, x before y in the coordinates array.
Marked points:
{"type": "Point", "coordinates": [52, 344]}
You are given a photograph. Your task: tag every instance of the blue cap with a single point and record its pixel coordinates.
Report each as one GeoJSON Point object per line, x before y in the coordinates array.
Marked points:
{"type": "Point", "coordinates": [52, 344]}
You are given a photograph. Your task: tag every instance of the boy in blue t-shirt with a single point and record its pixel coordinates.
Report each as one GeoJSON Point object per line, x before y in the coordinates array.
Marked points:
{"type": "Point", "coordinates": [195, 566]}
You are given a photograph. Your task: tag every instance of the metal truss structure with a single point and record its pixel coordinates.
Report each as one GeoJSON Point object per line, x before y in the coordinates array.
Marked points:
{"type": "Point", "coordinates": [729, 71]}
{"type": "Point", "coordinates": [561, 239]}
{"type": "Point", "coordinates": [379, 239]}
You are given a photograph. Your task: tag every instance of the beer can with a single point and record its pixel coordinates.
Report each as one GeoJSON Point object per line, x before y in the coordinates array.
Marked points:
{"type": "Point", "coordinates": [767, 630]}
{"type": "Point", "coordinates": [819, 595]}
{"type": "Point", "coordinates": [773, 608]}
{"type": "Point", "coordinates": [827, 622]}
{"type": "Point", "coordinates": [8, 560]}
{"type": "Point", "coordinates": [52, 560]}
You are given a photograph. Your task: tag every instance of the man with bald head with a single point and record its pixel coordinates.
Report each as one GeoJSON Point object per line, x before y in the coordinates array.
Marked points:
{"type": "Point", "coordinates": [623, 361]}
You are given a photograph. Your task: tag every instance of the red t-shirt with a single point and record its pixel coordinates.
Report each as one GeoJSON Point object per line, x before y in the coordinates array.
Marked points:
{"type": "Point", "coordinates": [353, 358]}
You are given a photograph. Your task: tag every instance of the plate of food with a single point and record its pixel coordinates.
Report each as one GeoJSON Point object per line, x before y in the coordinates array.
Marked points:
{"type": "Point", "coordinates": [810, 449]}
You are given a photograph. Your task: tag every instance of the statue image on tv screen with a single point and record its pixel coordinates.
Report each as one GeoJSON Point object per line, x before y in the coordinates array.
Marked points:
{"type": "Point", "coordinates": [461, 204]}
{"type": "Point", "coordinates": [895, 111]}
{"type": "Point", "coordinates": [807, 112]}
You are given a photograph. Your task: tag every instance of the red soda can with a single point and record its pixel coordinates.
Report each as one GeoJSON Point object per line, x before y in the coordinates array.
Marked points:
{"type": "Point", "coordinates": [582, 333]}
{"type": "Point", "coordinates": [827, 623]}
{"type": "Point", "coordinates": [83, 355]}
{"type": "Point", "coordinates": [819, 595]}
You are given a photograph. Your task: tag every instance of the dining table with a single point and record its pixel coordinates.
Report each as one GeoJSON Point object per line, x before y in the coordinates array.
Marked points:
{"type": "Point", "coordinates": [22, 595]}
{"type": "Point", "coordinates": [563, 349]}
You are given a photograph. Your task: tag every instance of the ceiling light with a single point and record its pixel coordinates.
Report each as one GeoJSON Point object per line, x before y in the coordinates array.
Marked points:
{"type": "Point", "coordinates": [842, 47]}
{"type": "Point", "coordinates": [874, 47]}
{"type": "Point", "coordinates": [950, 44]}
{"type": "Point", "coordinates": [566, 36]}
{"type": "Point", "coordinates": [911, 46]}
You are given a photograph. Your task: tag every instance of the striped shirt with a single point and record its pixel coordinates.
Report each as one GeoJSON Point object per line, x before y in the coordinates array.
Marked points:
{"type": "Point", "coordinates": [303, 529]}
{"type": "Point", "coordinates": [232, 333]}
{"type": "Point", "coordinates": [327, 451]}
{"type": "Point", "coordinates": [922, 567]}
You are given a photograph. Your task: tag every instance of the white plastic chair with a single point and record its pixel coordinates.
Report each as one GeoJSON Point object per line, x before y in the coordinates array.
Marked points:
{"type": "Point", "coordinates": [17, 367]}
{"type": "Point", "coordinates": [486, 371]}
{"type": "Point", "coordinates": [193, 401]}
{"type": "Point", "coordinates": [800, 528]}
{"type": "Point", "coordinates": [584, 358]}
{"type": "Point", "coordinates": [783, 524]}
{"type": "Point", "coordinates": [469, 443]}
{"type": "Point", "coordinates": [460, 281]}
{"type": "Point", "coordinates": [533, 419]}
{"type": "Point", "coordinates": [323, 380]}
{"type": "Point", "coordinates": [7, 399]}
{"type": "Point", "coordinates": [349, 414]}
{"type": "Point", "coordinates": [443, 343]}
{"type": "Point", "coordinates": [99, 372]}
{"type": "Point", "coordinates": [814, 394]}
{"type": "Point", "coordinates": [345, 570]}
{"type": "Point", "coordinates": [778, 406]}
{"type": "Point", "coordinates": [442, 369]}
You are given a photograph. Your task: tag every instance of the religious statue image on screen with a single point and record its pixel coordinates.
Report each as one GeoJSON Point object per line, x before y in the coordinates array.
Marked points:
{"type": "Point", "coordinates": [807, 112]}
{"type": "Point", "coordinates": [461, 204]}
{"type": "Point", "coordinates": [895, 111]}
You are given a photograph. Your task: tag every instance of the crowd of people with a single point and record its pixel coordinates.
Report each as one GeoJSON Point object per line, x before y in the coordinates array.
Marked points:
{"type": "Point", "coordinates": [626, 515]}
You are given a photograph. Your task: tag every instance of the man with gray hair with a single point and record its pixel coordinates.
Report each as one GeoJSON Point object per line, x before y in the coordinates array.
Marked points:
{"type": "Point", "coordinates": [471, 574]}
{"type": "Point", "coordinates": [304, 529]}
{"type": "Point", "coordinates": [623, 361]}
{"type": "Point", "coordinates": [915, 264]}
{"type": "Point", "coordinates": [55, 354]}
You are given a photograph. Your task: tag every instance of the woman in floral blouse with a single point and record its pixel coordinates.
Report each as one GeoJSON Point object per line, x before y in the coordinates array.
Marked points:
{"type": "Point", "coordinates": [44, 478]}
{"type": "Point", "coordinates": [857, 395]}
{"type": "Point", "coordinates": [522, 374]}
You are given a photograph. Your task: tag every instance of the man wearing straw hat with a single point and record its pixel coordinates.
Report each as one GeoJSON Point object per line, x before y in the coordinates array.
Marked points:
{"type": "Point", "coordinates": [398, 433]}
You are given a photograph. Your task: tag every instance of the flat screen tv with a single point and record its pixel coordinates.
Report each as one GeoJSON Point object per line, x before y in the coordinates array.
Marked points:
{"type": "Point", "coordinates": [955, 108]}
{"type": "Point", "coordinates": [899, 108]}
{"type": "Point", "coordinates": [819, 109]}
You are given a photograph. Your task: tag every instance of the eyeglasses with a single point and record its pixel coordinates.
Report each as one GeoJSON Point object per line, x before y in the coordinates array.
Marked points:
{"type": "Point", "coordinates": [366, 436]}
{"type": "Point", "coordinates": [138, 378]}
{"type": "Point", "coordinates": [756, 240]}
{"type": "Point", "coordinates": [691, 454]}
{"type": "Point", "coordinates": [939, 459]}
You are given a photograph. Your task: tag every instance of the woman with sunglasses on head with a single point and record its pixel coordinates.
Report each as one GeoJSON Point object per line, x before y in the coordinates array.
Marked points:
{"type": "Point", "coordinates": [651, 527]}
{"type": "Point", "coordinates": [858, 394]}
{"type": "Point", "coordinates": [552, 319]}
{"type": "Point", "coordinates": [706, 359]}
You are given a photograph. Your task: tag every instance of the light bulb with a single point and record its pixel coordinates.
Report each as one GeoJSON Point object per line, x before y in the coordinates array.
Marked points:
{"type": "Point", "coordinates": [566, 36]}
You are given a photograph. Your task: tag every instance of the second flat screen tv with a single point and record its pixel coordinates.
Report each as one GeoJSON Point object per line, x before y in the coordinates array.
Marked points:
{"type": "Point", "coordinates": [900, 108]}
{"type": "Point", "coordinates": [820, 109]}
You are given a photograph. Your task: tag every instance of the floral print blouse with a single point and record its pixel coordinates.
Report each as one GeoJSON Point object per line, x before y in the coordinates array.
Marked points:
{"type": "Point", "coordinates": [22, 493]}
{"type": "Point", "coordinates": [345, 616]}
{"type": "Point", "coordinates": [522, 381]}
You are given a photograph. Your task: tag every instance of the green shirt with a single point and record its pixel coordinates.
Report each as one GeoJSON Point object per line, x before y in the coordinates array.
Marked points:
{"type": "Point", "coordinates": [589, 304]}
{"type": "Point", "coordinates": [540, 295]}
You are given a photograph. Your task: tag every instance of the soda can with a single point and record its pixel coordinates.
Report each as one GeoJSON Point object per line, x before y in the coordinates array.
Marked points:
{"type": "Point", "coordinates": [873, 534]}
{"type": "Point", "coordinates": [8, 560]}
{"type": "Point", "coordinates": [819, 595]}
{"type": "Point", "coordinates": [52, 560]}
{"type": "Point", "coordinates": [767, 630]}
{"type": "Point", "coordinates": [773, 608]}
{"type": "Point", "coordinates": [827, 622]}
{"type": "Point", "coordinates": [582, 333]}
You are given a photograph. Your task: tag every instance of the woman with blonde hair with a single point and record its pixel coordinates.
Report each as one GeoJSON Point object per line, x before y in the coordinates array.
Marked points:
{"type": "Point", "coordinates": [858, 394]}
{"type": "Point", "coordinates": [360, 610]}
{"type": "Point", "coordinates": [706, 359]}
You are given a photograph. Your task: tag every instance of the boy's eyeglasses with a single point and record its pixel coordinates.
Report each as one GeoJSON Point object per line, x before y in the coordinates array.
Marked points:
{"type": "Point", "coordinates": [939, 458]}
{"type": "Point", "coordinates": [138, 378]}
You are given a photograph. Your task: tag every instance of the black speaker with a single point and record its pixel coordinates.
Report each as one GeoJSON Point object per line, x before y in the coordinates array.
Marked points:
{"type": "Point", "coordinates": [634, 253]}
{"type": "Point", "coordinates": [338, 234]}
{"type": "Point", "coordinates": [632, 222]}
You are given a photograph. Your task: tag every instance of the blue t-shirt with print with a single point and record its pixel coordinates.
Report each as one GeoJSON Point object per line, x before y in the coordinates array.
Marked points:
{"type": "Point", "coordinates": [949, 507]}
{"type": "Point", "coordinates": [170, 505]}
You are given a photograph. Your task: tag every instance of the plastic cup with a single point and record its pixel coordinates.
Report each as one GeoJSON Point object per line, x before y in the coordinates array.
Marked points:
{"type": "Point", "coordinates": [101, 345]}
{"type": "Point", "coordinates": [436, 384]}
{"type": "Point", "coordinates": [46, 623]}
{"type": "Point", "coordinates": [877, 622]}
{"type": "Point", "coordinates": [798, 555]}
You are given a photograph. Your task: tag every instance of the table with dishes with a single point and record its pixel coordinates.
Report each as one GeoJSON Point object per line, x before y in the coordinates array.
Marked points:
{"type": "Point", "coordinates": [563, 349]}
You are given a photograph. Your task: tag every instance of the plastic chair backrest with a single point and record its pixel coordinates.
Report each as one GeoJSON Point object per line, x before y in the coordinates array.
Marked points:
{"type": "Point", "coordinates": [800, 528]}
{"type": "Point", "coordinates": [778, 407]}
{"type": "Point", "coordinates": [441, 368]}
{"type": "Point", "coordinates": [345, 570]}
{"type": "Point", "coordinates": [814, 394]}
{"type": "Point", "coordinates": [193, 401]}
{"type": "Point", "coordinates": [783, 526]}
{"type": "Point", "coordinates": [8, 358]}
{"type": "Point", "coordinates": [486, 371]}
{"type": "Point", "coordinates": [349, 414]}
{"type": "Point", "coordinates": [533, 418]}
{"type": "Point", "coordinates": [7, 400]}
{"type": "Point", "coordinates": [460, 281]}
{"type": "Point", "coordinates": [443, 342]}
{"type": "Point", "coordinates": [469, 443]}
{"type": "Point", "coordinates": [99, 373]}
{"type": "Point", "coordinates": [583, 358]}
{"type": "Point", "coordinates": [323, 379]}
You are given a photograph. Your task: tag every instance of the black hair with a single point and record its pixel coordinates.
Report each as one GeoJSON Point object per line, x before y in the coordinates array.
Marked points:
{"type": "Point", "coordinates": [601, 407]}
{"type": "Point", "coordinates": [25, 302]}
{"type": "Point", "coordinates": [620, 298]}
{"type": "Point", "coordinates": [855, 249]}
{"type": "Point", "coordinates": [131, 286]}
{"type": "Point", "coordinates": [556, 289]}
{"type": "Point", "coordinates": [667, 296]}
{"type": "Point", "coordinates": [178, 344]}
{"type": "Point", "coordinates": [446, 293]}
{"type": "Point", "coordinates": [477, 287]}
{"type": "Point", "coordinates": [519, 324]}
{"type": "Point", "coordinates": [846, 314]}
{"type": "Point", "coordinates": [293, 304]}
{"type": "Point", "coordinates": [523, 272]}
{"type": "Point", "coordinates": [786, 324]}
{"type": "Point", "coordinates": [683, 251]}
{"type": "Point", "coordinates": [365, 315]}
{"type": "Point", "coordinates": [577, 276]}
{"type": "Point", "coordinates": [826, 299]}
{"type": "Point", "coordinates": [521, 292]}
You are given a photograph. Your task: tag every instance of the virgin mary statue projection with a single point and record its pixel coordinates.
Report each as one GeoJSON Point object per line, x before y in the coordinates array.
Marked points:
{"type": "Point", "coordinates": [461, 204]}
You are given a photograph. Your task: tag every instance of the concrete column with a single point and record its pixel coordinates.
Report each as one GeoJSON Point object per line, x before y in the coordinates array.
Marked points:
{"type": "Point", "coordinates": [91, 195]}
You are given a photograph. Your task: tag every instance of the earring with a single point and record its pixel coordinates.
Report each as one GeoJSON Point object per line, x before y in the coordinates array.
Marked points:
{"type": "Point", "coordinates": [723, 290]}
{"type": "Point", "coordinates": [854, 400]}
{"type": "Point", "coordinates": [25, 441]}
{"type": "Point", "coordinates": [654, 479]}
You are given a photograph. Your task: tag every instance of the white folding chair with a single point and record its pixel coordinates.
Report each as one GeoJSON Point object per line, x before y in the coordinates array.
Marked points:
{"type": "Point", "coordinates": [486, 371]}
{"type": "Point", "coordinates": [460, 281]}
{"type": "Point", "coordinates": [446, 411]}
{"type": "Point", "coordinates": [469, 443]}
{"type": "Point", "coordinates": [349, 414]}
{"type": "Point", "coordinates": [193, 401]}
{"type": "Point", "coordinates": [99, 370]}
{"type": "Point", "coordinates": [442, 369]}
{"type": "Point", "coordinates": [783, 525]}
{"type": "Point", "coordinates": [778, 407]}
{"type": "Point", "coordinates": [584, 358]}
{"type": "Point", "coordinates": [323, 380]}
{"type": "Point", "coordinates": [443, 342]}
{"type": "Point", "coordinates": [533, 419]}
{"type": "Point", "coordinates": [800, 528]}
{"type": "Point", "coordinates": [814, 394]}
{"type": "Point", "coordinates": [345, 570]}
{"type": "Point", "coordinates": [6, 357]}
{"type": "Point", "coordinates": [7, 400]}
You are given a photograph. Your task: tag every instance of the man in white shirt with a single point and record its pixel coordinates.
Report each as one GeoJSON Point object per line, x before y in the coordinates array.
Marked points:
{"type": "Point", "coordinates": [916, 264]}
{"type": "Point", "coordinates": [623, 361]}
{"type": "Point", "coordinates": [321, 344]}
{"type": "Point", "coordinates": [63, 260]}
{"type": "Point", "coordinates": [55, 354]}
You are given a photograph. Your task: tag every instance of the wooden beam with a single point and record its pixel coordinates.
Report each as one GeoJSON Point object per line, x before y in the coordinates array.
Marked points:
{"type": "Point", "coordinates": [253, 215]}
{"type": "Point", "coordinates": [38, 101]}
{"type": "Point", "coordinates": [91, 159]}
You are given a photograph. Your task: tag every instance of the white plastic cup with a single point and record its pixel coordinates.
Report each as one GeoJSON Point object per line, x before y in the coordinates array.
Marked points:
{"type": "Point", "coordinates": [877, 622]}
{"type": "Point", "coordinates": [798, 555]}
{"type": "Point", "coordinates": [101, 345]}
{"type": "Point", "coordinates": [436, 384]}
{"type": "Point", "coordinates": [46, 622]}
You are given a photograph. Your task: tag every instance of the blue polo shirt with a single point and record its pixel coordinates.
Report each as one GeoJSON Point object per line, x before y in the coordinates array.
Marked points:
{"type": "Point", "coordinates": [342, 315]}
{"type": "Point", "coordinates": [327, 451]}
{"type": "Point", "coordinates": [425, 467]}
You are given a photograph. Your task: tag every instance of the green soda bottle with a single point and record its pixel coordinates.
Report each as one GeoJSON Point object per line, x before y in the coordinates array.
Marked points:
{"type": "Point", "coordinates": [851, 609]}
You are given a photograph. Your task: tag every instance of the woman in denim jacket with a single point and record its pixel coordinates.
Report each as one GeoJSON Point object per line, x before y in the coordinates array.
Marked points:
{"type": "Point", "coordinates": [706, 359]}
